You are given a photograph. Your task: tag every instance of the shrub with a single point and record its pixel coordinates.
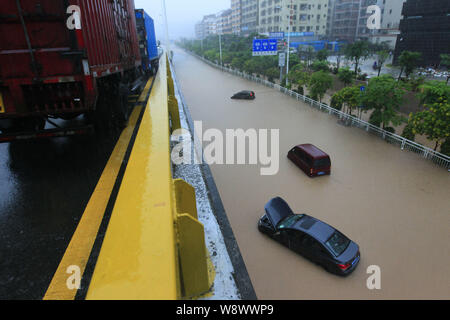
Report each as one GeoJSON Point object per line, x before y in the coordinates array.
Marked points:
{"type": "Point", "coordinates": [363, 77]}
{"type": "Point", "coordinates": [408, 133]}
{"type": "Point", "coordinates": [390, 129]}
{"type": "Point", "coordinates": [445, 147]}
{"type": "Point", "coordinates": [336, 102]}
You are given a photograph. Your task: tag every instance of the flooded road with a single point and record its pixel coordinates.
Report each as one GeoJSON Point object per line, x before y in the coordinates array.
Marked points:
{"type": "Point", "coordinates": [393, 203]}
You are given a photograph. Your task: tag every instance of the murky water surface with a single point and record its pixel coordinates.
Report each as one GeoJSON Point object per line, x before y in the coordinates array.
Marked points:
{"type": "Point", "coordinates": [393, 203]}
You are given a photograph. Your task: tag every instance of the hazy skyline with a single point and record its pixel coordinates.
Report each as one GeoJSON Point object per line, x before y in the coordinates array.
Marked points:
{"type": "Point", "coordinates": [182, 15]}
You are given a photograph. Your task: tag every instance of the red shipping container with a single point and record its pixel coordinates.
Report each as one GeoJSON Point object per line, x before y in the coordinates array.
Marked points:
{"type": "Point", "coordinates": [52, 65]}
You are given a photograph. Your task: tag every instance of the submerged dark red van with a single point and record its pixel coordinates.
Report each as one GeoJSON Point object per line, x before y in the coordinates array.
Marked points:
{"type": "Point", "coordinates": [313, 161]}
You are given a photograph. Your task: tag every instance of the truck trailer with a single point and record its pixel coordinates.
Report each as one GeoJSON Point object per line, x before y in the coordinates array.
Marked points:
{"type": "Point", "coordinates": [62, 59]}
{"type": "Point", "coordinates": [147, 42]}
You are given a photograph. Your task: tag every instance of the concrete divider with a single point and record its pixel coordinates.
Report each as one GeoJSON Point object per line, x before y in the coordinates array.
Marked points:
{"type": "Point", "coordinates": [154, 247]}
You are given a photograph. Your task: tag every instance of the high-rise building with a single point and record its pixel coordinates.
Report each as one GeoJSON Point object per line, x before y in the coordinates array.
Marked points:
{"type": "Point", "coordinates": [350, 18]}
{"type": "Point", "coordinates": [425, 28]}
{"type": "Point", "coordinates": [206, 27]}
{"type": "Point", "coordinates": [236, 16]}
{"type": "Point", "coordinates": [391, 14]}
{"type": "Point", "coordinates": [303, 16]}
{"type": "Point", "coordinates": [330, 17]}
{"type": "Point", "coordinates": [249, 16]}
{"type": "Point", "coordinates": [224, 25]}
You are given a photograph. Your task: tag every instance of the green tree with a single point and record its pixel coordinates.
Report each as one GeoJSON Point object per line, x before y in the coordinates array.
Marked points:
{"type": "Point", "coordinates": [384, 96]}
{"type": "Point", "coordinates": [238, 63]}
{"type": "Point", "coordinates": [383, 55]}
{"type": "Point", "coordinates": [346, 76]}
{"type": "Point", "coordinates": [408, 61]}
{"type": "Point", "coordinates": [319, 83]}
{"type": "Point", "coordinates": [298, 76]}
{"type": "Point", "coordinates": [336, 101]}
{"type": "Point", "coordinates": [445, 61]}
{"type": "Point", "coordinates": [306, 53]}
{"type": "Point", "coordinates": [356, 52]}
{"type": "Point", "coordinates": [408, 132]}
{"type": "Point", "coordinates": [433, 121]}
{"type": "Point", "coordinates": [349, 97]}
{"type": "Point", "coordinates": [445, 147]}
{"type": "Point", "coordinates": [320, 65]}
{"type": "Point", "coordinates": [431, 91]}
{"type": "Point", "coordinates": [322, 55]}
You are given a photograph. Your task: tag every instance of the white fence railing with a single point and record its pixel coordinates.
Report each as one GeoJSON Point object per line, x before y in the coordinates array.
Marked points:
{"type": "Point", "coordinates": [405, 144]}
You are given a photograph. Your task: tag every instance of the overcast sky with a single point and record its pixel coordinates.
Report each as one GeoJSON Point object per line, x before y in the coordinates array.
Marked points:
{"type": "Point", "coordinates": [181, 14]}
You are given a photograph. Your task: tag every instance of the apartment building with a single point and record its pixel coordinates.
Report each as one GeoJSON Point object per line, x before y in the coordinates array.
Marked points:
{"type": "Point", "coordinates": [223, 22]}
{"type": "Point", "coordinates": [236, 16]}
{"type": "Point", "coordinates": [303, 15]}
{"type": "Point", "coordinates": [206, 27]}
{"type": "Point", "coordinates": [249, 16]}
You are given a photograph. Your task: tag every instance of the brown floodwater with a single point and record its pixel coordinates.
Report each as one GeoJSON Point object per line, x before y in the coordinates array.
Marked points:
{"type": "Point", "coordinates": [393, 203]}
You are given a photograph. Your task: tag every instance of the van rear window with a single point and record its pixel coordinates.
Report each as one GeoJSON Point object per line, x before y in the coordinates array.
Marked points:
{"type": "Point", "coordinates": [325, 162]}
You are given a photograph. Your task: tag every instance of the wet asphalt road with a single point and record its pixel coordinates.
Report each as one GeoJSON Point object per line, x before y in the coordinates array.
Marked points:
{"type": "Point", "coordinates": [45, 186]}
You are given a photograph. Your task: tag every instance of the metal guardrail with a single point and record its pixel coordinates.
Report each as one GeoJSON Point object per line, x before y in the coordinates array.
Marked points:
{"type": "Point", "coordinates": [405, 144]}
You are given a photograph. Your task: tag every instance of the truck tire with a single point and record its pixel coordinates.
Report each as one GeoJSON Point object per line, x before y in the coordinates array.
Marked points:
{"type": "Point", "coordinates": [121, 113]}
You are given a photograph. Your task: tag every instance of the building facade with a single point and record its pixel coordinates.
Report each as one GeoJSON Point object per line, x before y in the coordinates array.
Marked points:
{"type": "Point", "coordinates": [293, 16]}
{"type": "Point", "coordinates": [349, 22]}
{"type": "Point", "coordinates": [425, 28]}
{"type": "Point", "coordinates": [206, 27]}
{"type": "Point", "coordinates": [224, 24]}
{"type": "Point", "coordinates": [249, 16]}
{"type": "Point", "coordinates": [236, 16]}
{"type": "Point", "coordinates": [391, 14]}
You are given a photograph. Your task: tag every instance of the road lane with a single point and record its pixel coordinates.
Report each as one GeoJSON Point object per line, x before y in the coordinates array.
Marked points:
{"type": "Point", "coordinates": [393, 203]}
{"type": "Point", "coordinates": [46, 185]}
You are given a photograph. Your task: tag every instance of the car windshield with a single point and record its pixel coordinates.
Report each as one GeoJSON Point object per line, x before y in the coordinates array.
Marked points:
{"type": "Point", "coordinates": [337, 243]}
{"type": "Point", "coordinates": [290, 221]}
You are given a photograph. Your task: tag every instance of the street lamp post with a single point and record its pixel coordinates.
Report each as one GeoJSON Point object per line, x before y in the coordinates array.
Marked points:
{"type": "Point", "coordinates": [220, 47]}
{"type": "Point", "coordinates": [167, 28]}
{"type": "Point", "coordinates": [288, 43]}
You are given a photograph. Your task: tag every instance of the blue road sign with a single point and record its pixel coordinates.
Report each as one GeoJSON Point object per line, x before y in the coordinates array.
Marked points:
{"type": "Point", "coordinates": [265, 47]}
{"type": "Point", "coordinates": [362, 88]}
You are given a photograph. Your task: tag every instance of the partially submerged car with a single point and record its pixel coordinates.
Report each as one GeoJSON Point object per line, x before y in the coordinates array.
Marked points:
{"type": "Point", "coordinates": [246, 95]}
{"type": "Point", "coordinates": [310, 237]}
{"type": "Point", "coordinates": [313, 161]}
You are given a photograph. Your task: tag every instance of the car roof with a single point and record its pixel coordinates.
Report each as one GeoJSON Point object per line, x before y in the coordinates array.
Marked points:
{"type": "Point", "coordinates": [316, 228]}
{"type": "Point", "coordinates": [313, 151]}
{"type": "Point", "coordinates": [246, 91]}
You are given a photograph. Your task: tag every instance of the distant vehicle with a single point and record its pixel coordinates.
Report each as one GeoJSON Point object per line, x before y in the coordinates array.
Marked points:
{"type": "Point", "coordinates": [147, 42]}
{"type": "Point", "coordinates": [310, 237]}
{"type": "Point", "coordinates": [246, 95]}
{"type": "Point", "coordinates": [313, 161]}
{"type": "Point", "coordinates": [375, 66]}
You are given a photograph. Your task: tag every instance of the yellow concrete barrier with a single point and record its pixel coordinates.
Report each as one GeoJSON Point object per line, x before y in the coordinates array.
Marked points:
{"type": "Point", "coordinates": [154, 247]}
{"type": "Point", "coordinates": [173, 102]}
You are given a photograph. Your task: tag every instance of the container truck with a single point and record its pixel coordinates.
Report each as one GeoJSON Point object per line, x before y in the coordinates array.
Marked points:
{"type": "Point", "coordinates": [147, 42]}
{"type": "Point", "coordinates": [62, 59]}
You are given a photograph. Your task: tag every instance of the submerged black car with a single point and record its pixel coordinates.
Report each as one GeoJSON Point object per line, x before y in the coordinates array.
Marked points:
{"type": "Point", "coordinates": [247, 95]}
{"type": "Point", "coordinates": [310, 237]}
